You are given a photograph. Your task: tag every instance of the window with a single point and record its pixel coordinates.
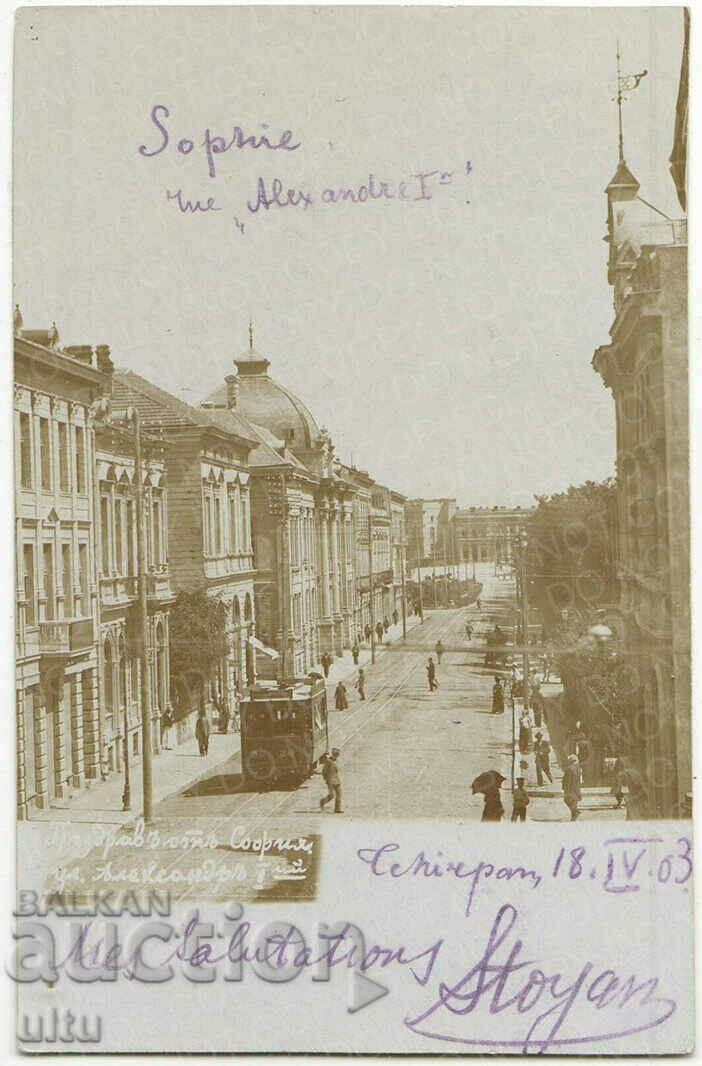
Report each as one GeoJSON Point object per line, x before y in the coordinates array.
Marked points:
{"type": "Point", "coordinates": [131, 567]}
{"type": "Point", "coordinates": [105, 534]}
{"type": "Point", "coordinates": [245, 531]}
{"type": "Point", "coordinates": [67, 580]}
{"type": "Point", "coordinates": [45, 453]}
{"type": "Point", "coordinates": [49, 587]}
{"type": "Point", "coordinates": [29, 586]}
{"type": "Point", "coordinates": [25, 450]}
{"type": "Point", "coordinates": [218, 525]}
{"type": "Point", "coordinates": [80, 460]}
{"type": "Point", "coordinates": [157, 526]}
{"type": "Point", "coordinates": [83, 574]}
{"type": "Point", "coordinates": [119, 506]}
{"type": "Point", "coordinates": [109, 689]}
{"type": "Point", "coordinates": [233, 533]}
{"type": "Point", "coordinates": [64, 479]}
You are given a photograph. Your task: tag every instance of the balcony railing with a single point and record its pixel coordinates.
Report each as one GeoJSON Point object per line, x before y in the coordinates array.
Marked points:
{"type": "Point", "coordinates": [65, 636]}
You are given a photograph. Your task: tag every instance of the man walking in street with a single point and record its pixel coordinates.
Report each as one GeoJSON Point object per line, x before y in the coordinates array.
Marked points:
{"type": "Point", "coordinates": [340, 699]}
{"type": "Point", "coordinates": [431, 675]}
{"type": "Point", "coordinates": [571, 786]}
{"type": "Point", "coordinates": [379, 632]}
{"type": "Point", "coordinates": [330, 773]}
{"type": "Point", "coordinates": [166, 725]}
{"type": "Point", "coordinates": [520, 801]}
{"type": "Point", "coordinates": [395, 617]}
{"type": "Point", "coordinates": [355, 652]}
{"type": "Point", "coordinates": [542, 759]}
{"type": "Point", "coordinates": [439, 649]}
{"type": "Point", "coordinates": [326, 663]}
{"type": "Point", "coordinates": [361, 684]}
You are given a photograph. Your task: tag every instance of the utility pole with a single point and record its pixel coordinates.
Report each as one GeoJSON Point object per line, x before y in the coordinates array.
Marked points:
{"type": "Point", "coordinates": [404, 597]}
{"type": "Point", "coordinates": [370, 584]}
{"type": "Point", "coordinates": [523, 543]}
{"type": "Point", "coordinates": [144, 644]}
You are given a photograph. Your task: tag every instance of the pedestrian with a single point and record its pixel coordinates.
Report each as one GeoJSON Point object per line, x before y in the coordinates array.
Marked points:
{"type": "Point", "coordinates": [202, 731]}
{"type": "Point", "coordinates": [542, 759]}
{"type": "Point", "coordinates": [326, 663]}
{"type": "Point", "coordinates": [469, 631]}
{"type": "Point", "coordinates": [386, 623]}
{"type": "Point", "coordinates": [368, 632]}
{"type": "Point", "coordinates": [166, 725]}
{"type": "Point", "coordinates": [379, 632]}
{"type": "Point", "coordinates": [619, 775]}
{"type": "Point", "coordinates": [498, 698]}
{"type": "Point", "coordinates": [526, 725]}
{"type": "Point", "coordinates": [520, 801]}
{"type": "Point", "coordinates": [492, 807]}
{"type": "Point", "coordinates": [361, 685]}
{"type": "Point", "coordinates": [477, 604]}
{"type": "Point", "coordinates": [395, 617]}
{"type": "Point", "coordinates": [355, 652]}
{"type": "Point", "coordinates": [439, 649]}
{"type": "Point", "coordinates": [571, 786]}
{"type": "Point", "coordinates": [223, 717]}
{"type": "Point", "coordinates": [340, 699]}
{"type": "Point", "coordinates": [431, 675]}
{"type": "Point", "coordinates": [330, 773]}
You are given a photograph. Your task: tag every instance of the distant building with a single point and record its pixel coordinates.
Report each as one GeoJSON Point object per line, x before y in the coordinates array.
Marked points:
{"type": "Point", "coordinates": [645, 365]}
{"type": "Point", "coordinates": [428, 524]}
{"type": "Point", "coordinates": [486, 534]}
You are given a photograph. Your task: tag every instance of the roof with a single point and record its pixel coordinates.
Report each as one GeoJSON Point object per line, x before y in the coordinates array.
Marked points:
{"type": "Point", "coordinates": [623, 179]}
{"type": "Point", "coordinates": [268, 404]}
{"type": "Point", "coordinates": [157, 405]}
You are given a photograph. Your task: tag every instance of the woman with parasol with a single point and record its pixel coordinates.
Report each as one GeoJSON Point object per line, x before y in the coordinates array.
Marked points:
{"type": "Point", "coordinates": [489, 784]}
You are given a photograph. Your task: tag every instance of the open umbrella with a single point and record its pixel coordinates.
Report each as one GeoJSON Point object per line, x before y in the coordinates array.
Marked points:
{"type": "Point", "coordinates": [490, 779]}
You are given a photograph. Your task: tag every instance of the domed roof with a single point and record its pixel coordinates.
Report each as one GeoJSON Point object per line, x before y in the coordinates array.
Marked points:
{"type": "Point", "coordinates": [266, 403]}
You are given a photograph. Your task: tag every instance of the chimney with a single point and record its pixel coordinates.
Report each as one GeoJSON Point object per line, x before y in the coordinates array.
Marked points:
{"type": "Point", "coordinates": [104, 362]}
{"type": "Point", "coordinates": [232, 381]}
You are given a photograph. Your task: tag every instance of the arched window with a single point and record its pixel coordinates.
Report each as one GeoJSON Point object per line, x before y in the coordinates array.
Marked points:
{"type": "Point", "coordinates": [247, 608]}
{"type": "Point", "coordinates": [236, 612]}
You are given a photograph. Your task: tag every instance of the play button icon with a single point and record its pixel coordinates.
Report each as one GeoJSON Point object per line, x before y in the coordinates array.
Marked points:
{"type": "Point", "coordinates": [363, 991]}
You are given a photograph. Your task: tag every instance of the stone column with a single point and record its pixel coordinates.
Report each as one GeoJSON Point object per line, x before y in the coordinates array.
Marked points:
{"type": "Point", "coordinates": [41, 758]}
{"type": "Point", "coordinates": [91, 725]}
{"type": "Point", "coordinates": [77, 729]}
{"type": "Point", "coordinates": [60, 712]}
{"type": "Point", "coordinates": [21, 768]}
{"type": "Point", "coordinates": [324, 575]}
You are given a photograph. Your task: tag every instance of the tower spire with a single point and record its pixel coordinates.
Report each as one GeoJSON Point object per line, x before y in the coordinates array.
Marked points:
{"type": "Point", "coordinates": [626, 83]}
{"type": "Point", "coordinates": [250, 335]}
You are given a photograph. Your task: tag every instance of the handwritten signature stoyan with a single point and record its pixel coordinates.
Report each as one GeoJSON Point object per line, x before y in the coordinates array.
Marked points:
{"type": "Point", "coordinates": [545, 1000]}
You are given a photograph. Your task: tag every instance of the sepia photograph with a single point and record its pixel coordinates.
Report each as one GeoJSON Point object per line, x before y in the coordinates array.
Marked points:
{"type": "Point", "coordinates": [351, 456]}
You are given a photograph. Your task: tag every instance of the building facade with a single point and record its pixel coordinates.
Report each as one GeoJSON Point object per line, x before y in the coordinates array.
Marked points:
{"type": "Point", "coordinates": [57, 602]}
{"type": "Point", "coordinates": [209, 528]}
{"type": "Point", "coordinates": [429, 530]}
{"type": "Point", "coordinates": [645, 366]}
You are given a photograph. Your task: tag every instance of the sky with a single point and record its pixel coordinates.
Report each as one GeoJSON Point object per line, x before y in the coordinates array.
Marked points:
{"type": "Point", "coordinates": [441, 328]}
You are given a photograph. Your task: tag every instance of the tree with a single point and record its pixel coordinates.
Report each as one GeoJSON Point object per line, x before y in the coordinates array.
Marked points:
{"type": "Point", "coordinates": [570, 549]}
{"type": "Point", "coordinates": [198, 642]}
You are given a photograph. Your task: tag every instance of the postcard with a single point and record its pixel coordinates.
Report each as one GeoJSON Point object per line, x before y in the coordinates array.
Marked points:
{"type": "Point", "coordinates": [351, 516]}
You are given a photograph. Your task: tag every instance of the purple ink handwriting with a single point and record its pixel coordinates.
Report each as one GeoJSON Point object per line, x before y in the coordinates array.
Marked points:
{"type": "Point", "coordinates": [384, 861]}
{"type": "Point", "coordinates": [501, 980]}
{"type": "Point", "coordinates": [215, 145]}
{"type": "Point", "coordinates": [421, 186]}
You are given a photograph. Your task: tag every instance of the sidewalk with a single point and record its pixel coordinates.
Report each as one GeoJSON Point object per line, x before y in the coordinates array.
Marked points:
{"type": "Point", "coordinates": [176, 768]}
{"type": "Point", "coordinates": [546, 803]}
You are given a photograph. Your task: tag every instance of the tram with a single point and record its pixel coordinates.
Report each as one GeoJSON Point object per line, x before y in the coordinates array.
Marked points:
{"type": "Point", "coordinates": [284, 730]}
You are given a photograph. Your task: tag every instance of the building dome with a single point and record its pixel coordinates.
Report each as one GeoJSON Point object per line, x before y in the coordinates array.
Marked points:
{"type": "Point", "coordinates": [264, 402]}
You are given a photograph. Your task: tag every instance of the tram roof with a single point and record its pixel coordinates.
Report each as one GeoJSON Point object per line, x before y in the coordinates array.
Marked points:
{"type": "Point", "coordinates": [302, 688]}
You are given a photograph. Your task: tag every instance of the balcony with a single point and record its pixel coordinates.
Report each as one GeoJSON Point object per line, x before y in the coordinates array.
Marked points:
{"type": "Point", "coordinates": [65, 637]}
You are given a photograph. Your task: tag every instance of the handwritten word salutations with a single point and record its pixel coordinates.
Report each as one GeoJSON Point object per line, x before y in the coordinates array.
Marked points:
{"type": "Point", "coordinates": [215, 144]}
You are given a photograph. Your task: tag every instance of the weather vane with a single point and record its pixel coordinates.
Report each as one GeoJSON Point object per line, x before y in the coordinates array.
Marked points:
{"type": "Point", "coordinates": [626, 83]}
